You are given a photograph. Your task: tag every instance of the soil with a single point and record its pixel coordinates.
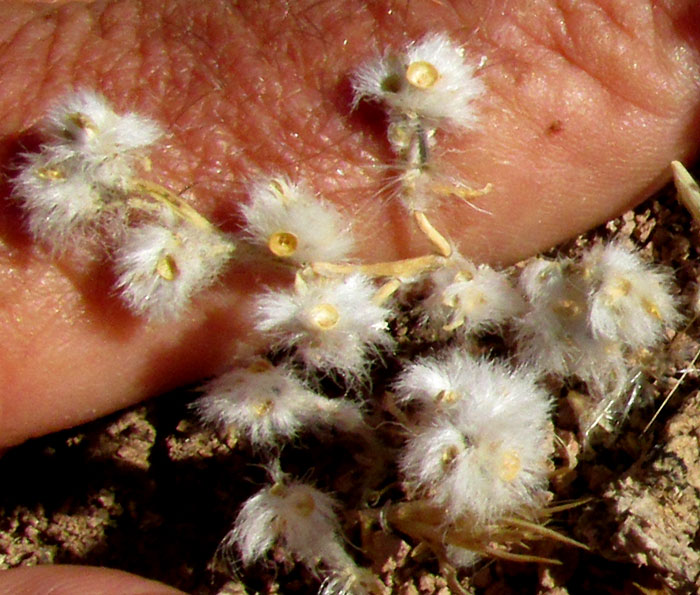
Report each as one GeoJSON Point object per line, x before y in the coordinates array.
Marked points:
{"type": "Point", "coordinates": [149, 491]}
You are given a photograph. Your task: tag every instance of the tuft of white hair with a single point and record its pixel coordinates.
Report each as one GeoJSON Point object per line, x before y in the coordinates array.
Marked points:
{"type": "Point", "coordinates": [294, 224]}
{"type": "Point", "coordinates": [332, 324]}
{"type": "Point", "coordinates": [448, 95]}
{"type": "Point", "coordinates": [269, 404]}
{"type": "Point", "coordinates": [86, 122]}
{"type": "Point", "coordinates": [84, 167]}
{"type": "Point", "coordinates": [553, 335]}
{"type": "Point", "coordinates": [586, 319]}
{"type": "Point", "coordinates": [160, 268]}
{"type": "Point", "coordinates": [471, 299]}
{"type": "Point", "coordinates": [487, 454]}
{"type": "Point", "coordinates": [460, 557]}
{"type": "Point", "coordinates": [296, 516]}
{"type": "Point", "coordinates": [630, 300]}
{"type": "Point", "coordinates": [59, 201]}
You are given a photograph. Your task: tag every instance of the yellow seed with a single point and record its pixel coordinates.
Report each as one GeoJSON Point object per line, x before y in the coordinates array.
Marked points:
{"type": "Point", "coordinates": [282, 244]}
{"type": "Point", "coordinates": [262, 409]}
{"type": "Point", "coordinates": [279, 490]}
{"type": "Point", "coordinates": [463, 276]}
{"type": "Point", "coordinates": [569, 308]}
{"type": "Point", "coordinates": [50, 173]}
{"type": "Point", "coordinates": [510, 465]}
{"type": "Point", "coordinates": [449, 455]}
{"type": "Point", "coordinates": [651, 308]}
{"type": "Point", "coordinates": [82, 122]}
{"type": "Point", "coordinates": [259, 366]}
{"type": "Point", "coordinates": [473, 302]}
{"type": "Point", "coordinates": [422, 75]}
{"type": "Point", "coordinates": [166, 268]}
{"type": "Point", "coordinates": [620, 289]}
{"type": "Point", "coordinates": [324, 316]}
{"type": "Point", "coordinates": [305, 505]}
{"type": "Point", "coordinates": [447, 396]}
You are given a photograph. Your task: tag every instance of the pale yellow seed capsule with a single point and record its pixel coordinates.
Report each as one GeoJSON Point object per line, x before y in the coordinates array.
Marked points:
{"type": "Point", "coordinates": [510, 466]}
{"type": "Point", "coordinates": [283, 243]}
{"type": "Point", "coordinates": [449, 455]}
{"type": "Point", "coordinates": [464, 275]}
{"type": "Point", "coordinates": [280, 190]}
{"type": "Point", "coordinates": [166, 268]}
{"type": "Point", "coordinates": [447, 396]}
{"type": "Point", "coordinates": [651, 308]}
{"type": "Point", "coordinates": [305, 505]}
{"type": "Point", "coordinates": [422, 75]}
{"type": "Point", "coordinates": [279, 490]}
{"type": "Point", "coordinates": [50, 173]}
{"type": "Point", "coordinates": [324, 316]}
{"type": "Point", "coordinates": [82, 122]}
{"type": "Point", "coordinates": [262, 409]}
{"type": "Point", "coordinates": [567, 308]}
{"type": "Point", "coordinates": [620, 289]}
{"type": "Point", "coordinates": [259, 366]}
{"type": "Point", "coordinates": [474, 302]}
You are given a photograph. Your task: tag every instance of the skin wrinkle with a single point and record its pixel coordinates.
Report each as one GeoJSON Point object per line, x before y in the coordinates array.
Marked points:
{"type": "Point", "coordinates": [72, 32]}
{"type": "Point", "coordinates": [77, 24]}
{"type": "Point", "coordinates": [646, 88]}
{"type": "Point", "coordinates": [29, 38]}
{"type": "Point", "coordinates": [200, 90]}
{"type": "Point", "coordinates": [620, 16]}
{"type": "Point", "coordinates": [114, 30]}
{"type": "Point", "coordinates": [14, 23]}
{"type": "Point", "coordinates": [561, 42]}
{"type": "Point", "coordinates": [501, 39]}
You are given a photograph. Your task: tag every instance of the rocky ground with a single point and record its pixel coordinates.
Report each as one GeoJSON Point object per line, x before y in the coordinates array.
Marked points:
{"type": "Point", "coordinates": [149, 491]}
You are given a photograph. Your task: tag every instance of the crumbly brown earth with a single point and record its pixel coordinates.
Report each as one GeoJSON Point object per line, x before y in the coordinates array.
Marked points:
{"type": "Point", "coordinates": [149, 491]}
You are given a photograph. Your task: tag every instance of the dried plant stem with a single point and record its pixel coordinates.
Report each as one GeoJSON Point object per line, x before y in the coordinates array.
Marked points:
{"type": "Point", "coordinates": [400, 269]}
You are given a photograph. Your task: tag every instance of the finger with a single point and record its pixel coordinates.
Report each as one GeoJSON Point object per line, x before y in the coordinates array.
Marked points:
{"type": "Point", "coordinates": [68, 580]}
{"type": "Point", "coordinates": [586, 106]}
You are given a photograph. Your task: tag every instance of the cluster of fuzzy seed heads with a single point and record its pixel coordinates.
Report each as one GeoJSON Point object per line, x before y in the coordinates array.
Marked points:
{"type": "Point", "coordinates": [476, 431]}
{"type": "Point", "coordinates": [81, 188]}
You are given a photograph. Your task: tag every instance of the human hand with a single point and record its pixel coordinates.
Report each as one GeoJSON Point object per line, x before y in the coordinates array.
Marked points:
{"type": "Point", "coordinates": [585, 109]}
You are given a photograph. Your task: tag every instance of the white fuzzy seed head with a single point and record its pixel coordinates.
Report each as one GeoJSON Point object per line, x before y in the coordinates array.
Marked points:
{"type": "Point", "coordinates": [586, 319]}
{"type": "Point", "coordinates": [85, 166]}
{"type": "Point", "coordinates": [59, 202]}
{"type": "Point", "coordinates": [160, 268]}
{"type": "Point", "coordinates": [630, 301]}
{"type": "Point", "coordinates": [293, 224]}
{"type": "Point", "coordinates": [430, 80]}
{"type": "Point", "coordinates": [85, 122]}
{"type": "Point", "coordinates": [471, 299]}
{"type": "Point", "coordinates": [269, 404]}
{"type": "Point", "coordinates": [430, 383]}
{"type": "Point", "coordinates": [333, 324]}
{"type": "Point", "coordinates": [487, 453]}
{"type": "Point", "coordinates": [299, 517]}
{"type": "Point", "coordinates": [553, 334]}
